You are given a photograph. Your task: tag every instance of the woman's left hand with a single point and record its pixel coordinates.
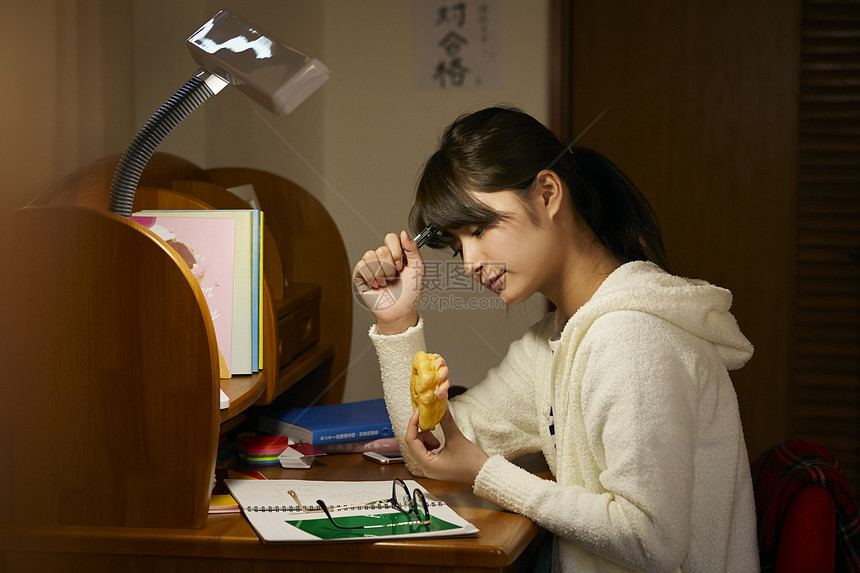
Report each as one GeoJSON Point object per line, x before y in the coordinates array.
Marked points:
{"type": "Point", "coordinates": [459, 461]}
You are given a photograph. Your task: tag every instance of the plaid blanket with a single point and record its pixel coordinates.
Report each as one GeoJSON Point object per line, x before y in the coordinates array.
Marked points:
{"type": "Point", "coordinates": [778, 474]}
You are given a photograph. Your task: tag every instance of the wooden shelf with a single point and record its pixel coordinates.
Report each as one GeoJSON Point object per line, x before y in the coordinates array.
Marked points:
{"type": "Point", "coordinates": [243, 392]}
{"type": "Point", "coordinates": [115, 342]}
{"type": "Point", "coordinates": [121, 369]}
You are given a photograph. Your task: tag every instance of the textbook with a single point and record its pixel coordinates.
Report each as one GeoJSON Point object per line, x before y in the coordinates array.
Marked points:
{"type": "Point", "coordinates": [331, 423]}
{"type": "Point", "coordinates": [276, 517]}
{"type": "Point", "coordinates": [207, 247]}
{"type": "Point", "coordinates": [245, 357]}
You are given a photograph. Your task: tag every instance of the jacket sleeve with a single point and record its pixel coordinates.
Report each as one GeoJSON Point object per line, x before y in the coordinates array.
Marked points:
{"type": "Point", "coordinates": [634, 415]}
{"type": "Point", "coordinates": [395, 352]}
{"type": "Point", "coordinates": [498, 414]}
{"type": "Point", "coordinates": [501, 413]}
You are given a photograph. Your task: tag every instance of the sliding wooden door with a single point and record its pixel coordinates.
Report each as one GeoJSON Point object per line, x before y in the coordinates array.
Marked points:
{"type": "Point", "coordinates": [698, 105]}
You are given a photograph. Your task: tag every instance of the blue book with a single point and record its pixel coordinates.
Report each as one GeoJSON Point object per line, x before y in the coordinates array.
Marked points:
{"type": "Point", "coordinates": [256, 289]}
{"type": "Point", "coordinates": [329, 424]}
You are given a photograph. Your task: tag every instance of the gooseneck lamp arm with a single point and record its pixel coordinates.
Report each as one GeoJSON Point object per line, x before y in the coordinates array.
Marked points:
{"type": "Point", "coordinates": [189, 97]}
{"type": "Point", "coordinates": [230, 51]}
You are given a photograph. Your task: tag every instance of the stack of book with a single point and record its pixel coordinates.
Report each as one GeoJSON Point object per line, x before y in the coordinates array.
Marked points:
{"type": "Point", "coordinates": [223, 250]}
{"type": "Point", "coordinates": [221, 501]}
{"type": "Point", "coordinates": [348, 427]}
{"type": "Point", "coordinates": [261, 450]}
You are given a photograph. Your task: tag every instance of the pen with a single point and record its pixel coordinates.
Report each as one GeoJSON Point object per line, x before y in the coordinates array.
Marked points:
{"type": "Point", "coordinates": [425, 235]}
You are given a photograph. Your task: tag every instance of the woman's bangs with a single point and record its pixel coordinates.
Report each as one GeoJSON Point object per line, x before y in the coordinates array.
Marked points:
{"type": "Point", "coordinates": [443, 201]}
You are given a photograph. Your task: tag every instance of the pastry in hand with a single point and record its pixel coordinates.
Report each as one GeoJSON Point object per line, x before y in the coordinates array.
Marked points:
{"type": "Point", "coordinates": [429, 388]}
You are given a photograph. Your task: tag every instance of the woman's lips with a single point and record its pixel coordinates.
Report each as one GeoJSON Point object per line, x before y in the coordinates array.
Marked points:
{"type": "Point", "coordinates": [495, 281]}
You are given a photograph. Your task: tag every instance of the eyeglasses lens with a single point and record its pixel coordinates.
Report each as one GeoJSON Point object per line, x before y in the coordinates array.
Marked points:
{"type": "Point", "coordinates": [420, 503]}
{"type": "Point", "coordinates": [402, 499]}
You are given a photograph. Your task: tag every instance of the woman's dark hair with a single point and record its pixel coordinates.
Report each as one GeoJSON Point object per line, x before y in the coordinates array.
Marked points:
{"type": "Point", "coordinates": [501, 148]}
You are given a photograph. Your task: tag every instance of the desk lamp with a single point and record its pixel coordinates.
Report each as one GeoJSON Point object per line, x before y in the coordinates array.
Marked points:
{"type": "Point", "coordinates": [228, 50]}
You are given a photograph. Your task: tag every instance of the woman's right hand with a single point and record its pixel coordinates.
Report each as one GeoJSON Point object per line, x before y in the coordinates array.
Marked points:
{"type": "Point", "coordinates": [390, 281]}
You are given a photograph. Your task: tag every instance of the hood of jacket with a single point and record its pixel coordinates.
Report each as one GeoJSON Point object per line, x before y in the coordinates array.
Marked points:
{"type": "Point", "coordinates": [696, 306]}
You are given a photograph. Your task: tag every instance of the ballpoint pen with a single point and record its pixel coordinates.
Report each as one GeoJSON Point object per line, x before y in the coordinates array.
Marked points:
{"type": "Point", "coordinates": [425, 235]}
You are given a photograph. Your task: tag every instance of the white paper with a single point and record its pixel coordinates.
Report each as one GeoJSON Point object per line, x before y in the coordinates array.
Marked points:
{"type": "Point", "coordinates": [268, 506]}
{"type": "Point", "coordinates": [458, 44]}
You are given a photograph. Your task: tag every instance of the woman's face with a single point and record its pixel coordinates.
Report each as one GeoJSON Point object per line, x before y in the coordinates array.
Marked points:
{"type": "Point", "coordinates": [512, 257]}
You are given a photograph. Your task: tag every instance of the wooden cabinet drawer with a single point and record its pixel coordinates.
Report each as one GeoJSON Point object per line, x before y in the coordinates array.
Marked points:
{"type": "Point", "coordinates": [298, 320]}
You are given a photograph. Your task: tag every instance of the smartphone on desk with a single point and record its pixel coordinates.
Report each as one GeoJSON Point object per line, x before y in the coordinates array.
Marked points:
{"type": "Point", "coordinates": [384, 457]}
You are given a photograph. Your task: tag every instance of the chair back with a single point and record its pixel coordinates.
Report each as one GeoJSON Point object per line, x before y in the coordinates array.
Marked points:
{"type": "Point", "coordinates": [807, 518]}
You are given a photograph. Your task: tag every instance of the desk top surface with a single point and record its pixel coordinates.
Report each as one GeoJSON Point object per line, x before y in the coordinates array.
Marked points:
{"type": "Point", "coordinates": [502, 535]}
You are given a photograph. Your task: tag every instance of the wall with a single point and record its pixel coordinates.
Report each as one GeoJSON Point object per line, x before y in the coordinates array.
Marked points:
{"type": "Point", "coordinates": [379, 130]}
{"type": "Point", "coordinates": [66, 97]}
{"type": "Point", "coordinates": [231, 129]}
{"type": "Point", "coordinates": [357, 143]}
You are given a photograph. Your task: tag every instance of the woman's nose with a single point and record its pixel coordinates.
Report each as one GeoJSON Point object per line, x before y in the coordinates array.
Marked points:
{"type": "Point", "coordinates": [470, 267]}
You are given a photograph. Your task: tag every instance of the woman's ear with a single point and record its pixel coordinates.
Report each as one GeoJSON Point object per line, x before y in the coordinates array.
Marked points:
{"type": "Point", "coordinates": [550, 191]}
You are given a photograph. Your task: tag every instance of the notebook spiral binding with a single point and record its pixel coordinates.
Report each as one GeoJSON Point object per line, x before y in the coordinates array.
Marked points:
{"type": "Point", "coordinates": [296, 508]}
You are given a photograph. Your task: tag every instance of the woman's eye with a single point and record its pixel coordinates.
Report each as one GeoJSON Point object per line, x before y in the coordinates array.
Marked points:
{"type": "Point", "coordinates": [478, 232]}
{"type": "Point", "coordinates": [458, 252]}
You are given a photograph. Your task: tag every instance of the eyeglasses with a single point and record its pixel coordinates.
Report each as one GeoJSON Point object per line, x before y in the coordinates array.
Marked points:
{"type": "Point", "coordinates": [408, 503]}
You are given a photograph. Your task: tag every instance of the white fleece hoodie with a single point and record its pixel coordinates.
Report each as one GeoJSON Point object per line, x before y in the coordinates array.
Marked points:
{"type": "Point", "coordinates": [651, 471]}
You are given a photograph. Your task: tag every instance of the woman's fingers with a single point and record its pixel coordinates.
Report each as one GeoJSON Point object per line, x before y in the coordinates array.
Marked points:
{"type": "Point", "coordinates": [389, 258]}
{"type": "Point", "coordinates": [363, 273]}
{"type": "Point", "coordinates": [375, 269]}
{"type": "Point", "coordinates": [390, 285]}
{"type": "Point", "coordinates": [382, 265]}
{"type": "Point", "coordinates": [395, 250]}
{"type": "Point", "coordinates": [412, 427]}
{"type": "Point", "coordinates": [410, 249]}
{"type": "Point", "coordinates": [441, 391]}
{"type": "Point", "coordinates": [442, 372]}
{"type": "Point", "coordinates": [419, 442]}
{"type": "Point", "coordinates": [449, 426]}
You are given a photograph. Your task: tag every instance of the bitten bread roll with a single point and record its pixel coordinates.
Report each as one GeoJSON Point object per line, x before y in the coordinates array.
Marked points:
{"type": "Point", "coordinates": [429, 390]}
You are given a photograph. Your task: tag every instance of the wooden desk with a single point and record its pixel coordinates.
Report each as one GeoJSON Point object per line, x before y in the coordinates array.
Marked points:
{"type": "Point", "coordinates": [109, 420]}
{"type": "Point", "coordinates": [228, 543]}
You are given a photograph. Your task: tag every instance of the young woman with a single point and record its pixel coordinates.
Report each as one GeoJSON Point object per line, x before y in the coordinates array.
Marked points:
{"type": "Point", "coordinates": [624, 388]}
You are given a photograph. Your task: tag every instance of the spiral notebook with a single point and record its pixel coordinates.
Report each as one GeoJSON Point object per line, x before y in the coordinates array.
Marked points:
{"type": "Point", "coordinates": [276, 517]}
